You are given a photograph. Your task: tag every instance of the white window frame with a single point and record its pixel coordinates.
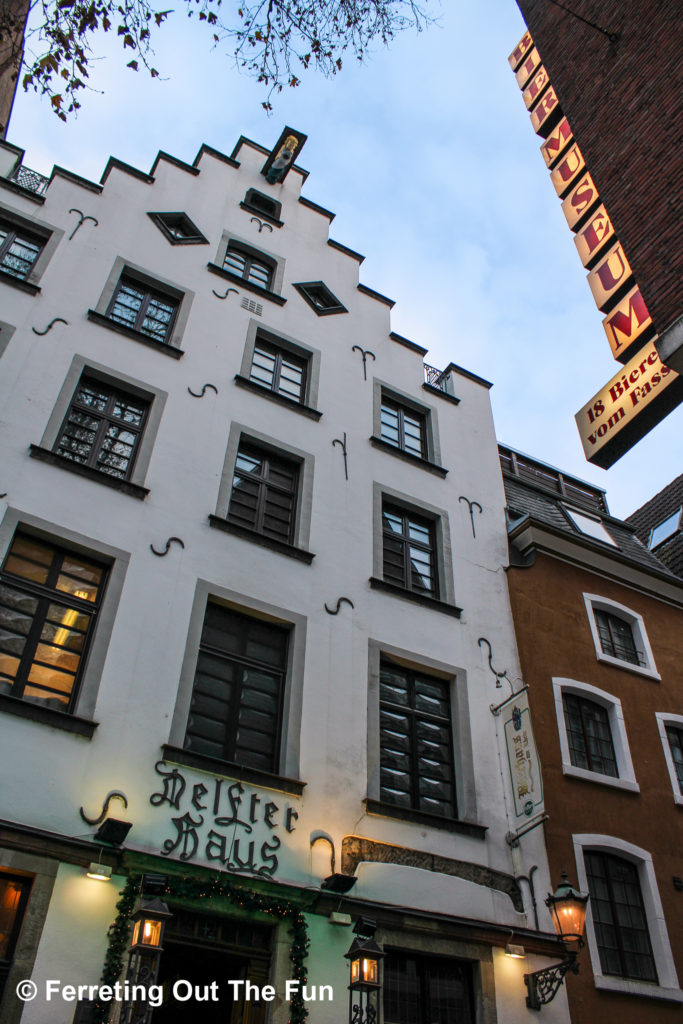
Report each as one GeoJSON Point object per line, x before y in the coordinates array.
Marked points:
{"type": "Point", "coordinates": [622, 753]}
{"type": "Point", "coordinates": [598, 531]}
{"type": "Point", "coordinates": [665, 718]}
{"type": "Point", "coordinates": [668, 987]}
{"type": "Point", "coordinates": [594, 602]}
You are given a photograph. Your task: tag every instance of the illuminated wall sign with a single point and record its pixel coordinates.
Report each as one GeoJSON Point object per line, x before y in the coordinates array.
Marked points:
{"type": "Point", "coordinates": [628, 406]}
{"type": "Point", "coordinates": [628, 324]}
{"type": "Point", "coordinates": [593, 238]}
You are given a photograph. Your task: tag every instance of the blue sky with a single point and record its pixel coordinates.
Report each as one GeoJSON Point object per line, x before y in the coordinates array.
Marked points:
{"type": "Point", "coordinates": [428, 158]}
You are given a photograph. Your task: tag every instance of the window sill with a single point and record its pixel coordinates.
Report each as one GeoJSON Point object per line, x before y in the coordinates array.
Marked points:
{"type": "Point", "coordinates": [638, 988]}
{"type": "Point", "coordinates": [230, 770]}
{"type": "Point", "coordinates": [258, 538]}
{"type": "Point", "coordinates": [236, 279]}
{"type": "Point", "coordinates": [19, 282]}
{"type": "Point", "coordinates": [416, 460]}
{"type": "Point", "coordinates": [465, 828]}
{"type": "Point", "coordinates": [628, 666]}
{"type": "Point", "coordinates": [47, 716]}
{"type": "Point", "coordinates": [408, 595]}
{"type": "Point", "coordinates": [45, 455]}
{"type": "Point", "coordinates": [441, 394]}
{"type": "Point", "coordinates": [572, 771]}
{"type": "Point", "coordinates": [273, 396]}
{"type": "Point", "coordinates": [261, 214]}
{"type": "Point", "coordinates": [129, 332]}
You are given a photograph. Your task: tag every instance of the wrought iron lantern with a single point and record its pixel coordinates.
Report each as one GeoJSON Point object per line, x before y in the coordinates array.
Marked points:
{"type": "Point", "coordinates": [146, 948]}
{"type": "Point", "coordinates": [567, 908]}
{"type": "Point", "coordinates": [364, 956]}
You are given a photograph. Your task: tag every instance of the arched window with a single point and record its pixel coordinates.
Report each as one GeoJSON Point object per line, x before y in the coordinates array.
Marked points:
{"type": "Point", "coordinates": [253, 268]}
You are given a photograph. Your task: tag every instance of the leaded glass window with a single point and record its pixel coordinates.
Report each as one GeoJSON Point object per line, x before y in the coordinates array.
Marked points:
{"type": "Point", "coordinates": [19, 250]}
{"type": "Point", "coordinates": [616, 637]}
{"type": "Point", "coordinates": [403, 428]}
{"type": "Point", "coordinates": [619, 917]}
{"type": "Point", "coordinates": [409, 551]}
{"type": "Point", "coordinates": [102, 428]}
{"type": "Point", "coordinates": [263, 494]}
{"type": "Point", "coordinates": [416, 741]}
{"type": "Point", "coordinates": [49, 598]}
{"type": "Point", "coordinates": [238, 689]}
{"type": "Point", "coordinates": [143, 309]}
{"type": "Point", "coordinates": [589, 735]}
{"type": "Point", "coordinates": [279, 371]}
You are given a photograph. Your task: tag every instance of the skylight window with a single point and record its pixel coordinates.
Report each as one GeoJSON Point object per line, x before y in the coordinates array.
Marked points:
{"type": "Point", "coordinates": [591, 527]}
{"type": "Point", "coordinates": [666, 529]}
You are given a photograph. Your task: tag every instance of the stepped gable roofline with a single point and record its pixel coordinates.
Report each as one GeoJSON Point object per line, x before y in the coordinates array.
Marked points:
{"type": "Point", "coordinates": [376, 295]}
{"type": "Point", "coordinates": [462, 372]}
{"type": "Point", "coordinates": [407, 343]}
{"type": "Point", "coordinates": [345, 249]}
{"type": "Point", "coordinates": [244, 141]}
{"type": "Point", "coordinates": [318, 209]}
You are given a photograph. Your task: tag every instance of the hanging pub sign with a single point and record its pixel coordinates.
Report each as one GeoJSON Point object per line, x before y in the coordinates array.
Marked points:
{"type": "Point", "coordinates": [628, 324]}
{"type": "Point", "coordinates": [220, 822]}
{"type": "Point", "coordinates": [518, 749]}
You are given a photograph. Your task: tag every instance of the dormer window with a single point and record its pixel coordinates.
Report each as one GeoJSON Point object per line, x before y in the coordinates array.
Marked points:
{"type": "Point", "coordinates": [665, 530]}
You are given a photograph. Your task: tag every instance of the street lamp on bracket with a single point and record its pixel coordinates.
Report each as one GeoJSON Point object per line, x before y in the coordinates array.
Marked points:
{"type": "Point", "coordinates": [567, 908]}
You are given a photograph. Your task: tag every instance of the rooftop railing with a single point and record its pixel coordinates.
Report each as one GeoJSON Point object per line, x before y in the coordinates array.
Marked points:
{"type": "Point", "coordinates": [29, 179]}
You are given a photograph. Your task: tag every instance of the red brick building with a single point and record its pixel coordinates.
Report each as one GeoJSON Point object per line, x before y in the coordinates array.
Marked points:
{"type": "Point", "coordinates": [616, 70]}
{"type": "Point", "coordinates": [599, 625]}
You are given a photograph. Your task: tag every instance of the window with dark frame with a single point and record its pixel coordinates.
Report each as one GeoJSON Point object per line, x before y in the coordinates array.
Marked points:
{"type": "Point", "coordinates": [589, 735]}
{"type": "Point", "coordinates": [416, 741]}
{"type": "Point", "coordinates": [19, 250]}
{"type": "Point", "coordinates": [279, 370]}
{"type": "Point", "coordinates": [409, 549]}
{"type": "Point", "coordinates": [403, 428]}
{"type": "Point", "coordinates": [14, 894]}
{"type": "Point", "coordinates": [320, 298]}
{"type": "Point", "coordinates": [49, 600]}
{"type": "Point", "coordinates": [264, 492]}
{"type": "Point", "coordinates": [178, 228]}
{"type": "Point", "coordinates": [619, 919]}
{"type": "Point", "coordinates": [427, 990]}
{"type": "Point", "coordinates": [248, 266]}
{"type": "Point", "coordinates": [237, 698]}
{"type": "Point", "coordinates": [674, 734]}
{"type": "Point", "coordinates": [143, 309]}
{"type": "Point", "coordinates": [616, 637]}
{"type": "Point", "coordinates": [263, 204]}
{"type": "Point", "coordinates": [102, 428]}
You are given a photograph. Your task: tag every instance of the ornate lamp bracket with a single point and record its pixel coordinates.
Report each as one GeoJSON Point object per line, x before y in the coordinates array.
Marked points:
{"type": "Point", "coordinates": [542, 985]}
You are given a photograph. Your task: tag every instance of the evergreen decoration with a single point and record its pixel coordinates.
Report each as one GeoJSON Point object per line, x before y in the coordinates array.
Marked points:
{"type": "Point", "coordinates": [193, 887]}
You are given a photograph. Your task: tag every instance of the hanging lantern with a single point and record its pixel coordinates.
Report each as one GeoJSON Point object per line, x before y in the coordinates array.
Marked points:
{"type": "Point", "coordinates": [148, 926]}
{"type": "Point", "coordinates": [568, 911]}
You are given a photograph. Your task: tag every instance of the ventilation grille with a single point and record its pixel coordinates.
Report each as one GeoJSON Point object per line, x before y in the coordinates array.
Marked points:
{"type": "Point", "coordinates": [253, 307]}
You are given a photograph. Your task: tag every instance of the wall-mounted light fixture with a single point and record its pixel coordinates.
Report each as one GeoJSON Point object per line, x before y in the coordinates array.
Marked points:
{"type": "Point", "coordinates": [99, 871]}
{"type": "Point", "coordinates": [111, 830]}
{"type": "Point", "coordinates": [145, 952]}
{"type": "Point", "coordinates": [365, 957]}
{"type": "Point", "coordinates": [568, 912]}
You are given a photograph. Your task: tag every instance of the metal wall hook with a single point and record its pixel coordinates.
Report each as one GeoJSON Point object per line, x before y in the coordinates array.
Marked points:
{"type": "Point", "coordinates": [55, 320]}
{"type": "Point", "coordinates": [113, 794]}
{"type": "Point", "coordinates": [161, 554]}
{"type": "Point", "coordinates": [365, 352]}
{"type": "Point", "coordinates": [203, 391]}
{"type": "Point", "coordinates": [84, 217]}
{"type": "Point", "coordinates": [471, 505]}
{"type": "Point", "coordinates": [342, 445]}
{"type": "Point", "coordinates": [335, 611]}
{"type": "Point", "coordinates": [261, 224]}
{"type": "Point", "coordinates": [498, 675]}
{"type": "Point", "coordinates": [226, 294]}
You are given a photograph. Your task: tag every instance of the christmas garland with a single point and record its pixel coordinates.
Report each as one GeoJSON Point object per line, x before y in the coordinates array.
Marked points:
{"type": "Point", "coordinates": [192, 887]}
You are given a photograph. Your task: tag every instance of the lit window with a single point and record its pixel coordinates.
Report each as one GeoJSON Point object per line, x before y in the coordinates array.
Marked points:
{"type": "Point", "coordinates": [49, 600]}
{"type": "Point", "coordinates": [143, 309]}
{"type": "Point", "coordinates": [264, 490]}
{"type": "Point", "coordinates": [591, 527]}
{"type": "Point", "coordinates": [248, 266]}
{"type": "Point", "coordinates": [19, 250]}
{"type": "Point", "coordinates": [14, 893]}
{"type": "Point", "coordinates": [619, 918]}
{"type": "Point", "coordinates": [416, 741]}
{"type": "Point", "coordinates": [666, 529]}
{"type": "Point", "coordinates": [279, 371]}
{"type": "Point", "coordinates": [409, 551]}
{"type": "Point", "coordinates": [403, 428]}
{"type": "Point", "coordinates": [102, 428]}
{"type": "Point", "coordinates": [237, 699]}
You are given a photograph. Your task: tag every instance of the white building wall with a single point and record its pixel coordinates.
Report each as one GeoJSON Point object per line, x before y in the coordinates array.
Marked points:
{"type": "Point", "coordinates": [49, 774]}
